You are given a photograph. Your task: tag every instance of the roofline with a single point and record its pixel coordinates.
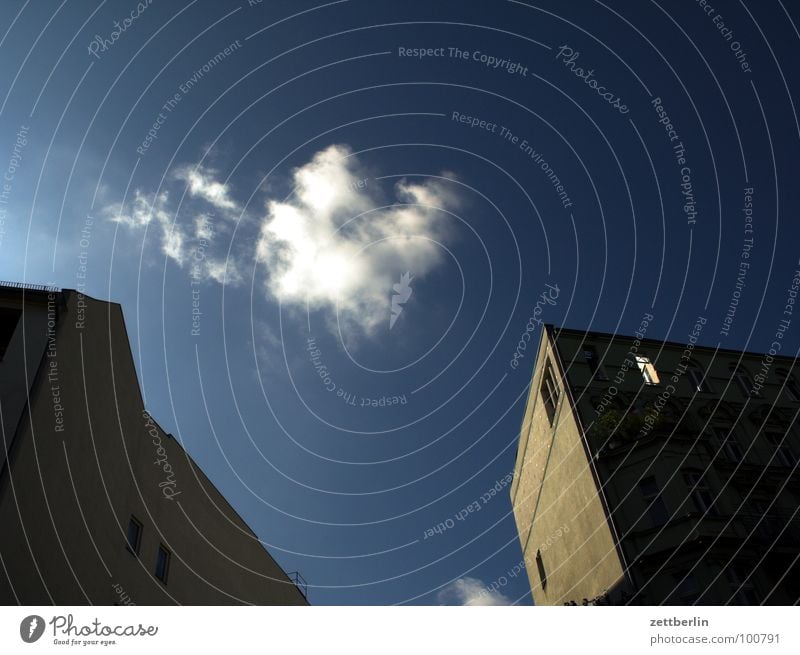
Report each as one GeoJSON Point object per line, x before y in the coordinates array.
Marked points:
{"type": "Point", "coordinates": [25, 286]}
{"type": "Point", "coordinates": [555, 330]}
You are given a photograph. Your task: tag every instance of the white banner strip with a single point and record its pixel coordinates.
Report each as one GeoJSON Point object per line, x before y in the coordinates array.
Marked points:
{"type": "Point", "coordinates": [401, 630]}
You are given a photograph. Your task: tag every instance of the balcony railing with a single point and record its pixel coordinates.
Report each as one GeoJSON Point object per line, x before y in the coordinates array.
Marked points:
{"type": "Point", "coordinates": [299, 582]}
{"type": "Point", "coordinates": [28, 287]}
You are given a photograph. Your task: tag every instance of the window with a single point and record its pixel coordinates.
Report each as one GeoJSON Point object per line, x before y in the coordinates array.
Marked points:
{"type": "Point", "coordinates": [783, 454]}
{"type": "Point", "coordinates": [697, 377]}
{"type": "Point", "coordinates": [651, 495]}
{"type": "Point", "coordinates": [8, 324]}
{"type": "Point", "coordinates": [687, 589]}
{"type": "Point", "coordinates": [550, 392]}
{"type": "Point", "coordinates": [790, 386]}
{"type": "Point", "coordinates": [540, 568]}
{"type": "Point", "coordinates": [744, 381]}
{"type": "Point", "coordinates": [729, 444]}
{"type": "Point", "coordinates": [162, 563]}
{"type": "Point", "coordinates": [699, 492]}
{"type": "Point", "coordinates": [649, 372]}
{"type": "Point", "coordinates": [134, 540]}
{"type": "Point", "coordinates": [743, 591]}
{"type": "Point", "coordinates": [590, 355]}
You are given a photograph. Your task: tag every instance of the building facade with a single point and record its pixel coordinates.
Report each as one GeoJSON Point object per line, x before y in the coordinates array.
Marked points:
{"type": "Point", "coordinates": [658, 473]}
{"type": "Point", "coordinates": [98, 504]}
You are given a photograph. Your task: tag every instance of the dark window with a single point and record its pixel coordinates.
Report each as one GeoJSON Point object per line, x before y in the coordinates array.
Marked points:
{"type": "Point", "coordinates": [162, 563]}
{"type": "Point", "coordinates": [590, 355]}
{"type": "Point", "coordinates": [651, 494]}
{"type": "Point", "coordinates": [8, 324]}
{"type": "Point", "coordinates": [687, 589]}
{"type": "Point", "coordinates": [550, 392]}
{"type": "Point", "coordinates": [743, 591]}
{"type": "Point", "coordinates": [744, 381]}
{"type": "Point", "coordinates": [792, 389]}
{"type": "Point", "coordinates": [134, 535]}
{"type": "Point", "coordinates": [701, 495]}
{"type": "Point", "coordinates": [698, 377]}
{"type": "Point", "coordinates": [729, 444]}
{"type": "Point", "coordinates": [783, 454]}
{"type": "Point", "coordinates": [540, 567]}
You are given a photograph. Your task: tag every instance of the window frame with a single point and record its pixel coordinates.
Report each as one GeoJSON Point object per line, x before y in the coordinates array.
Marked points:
{"type": "Point", "coordinates": [687, 586]}
{"type": "Point", "coordinates": [12, 315]}
{"type": "Point", "coordinates": [740, 585]}
{"type": "Point", "coordinates": [550, 392]}
{"type": "Point", "coordinates": [728, 440]}
{"type": "Point", "coordinates": [594, 363]}
{"type": "Point", "coordinates": [744, 381]}
{"type": "Point", "coordinates": [167, 560]}
{"type": "Point", "coordinates": [698, 377]}
{"type": "Point", "coordinates": [700, 492]}
{"type": "Point", "coordinates": [648, 370]}
{"type": "Point", "coordinates": [134, 549]}
{"type": "Point", "coordinates": [782, 451]}
{"type": "Point", "coordinates": [654, 499]}
{"type": "Point", "coordinates": [792, 390]}
{"type": "Point", "coordinates": [540, 568]}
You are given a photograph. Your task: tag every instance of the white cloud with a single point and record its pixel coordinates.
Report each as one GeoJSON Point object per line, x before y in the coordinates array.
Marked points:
{"type": "Point", "coordinates": [470, 591]}
{"type": "Point", "coordinates": [201, 183]}
{"type": "Point", "coordinates": [331, 246]}
{"type": "Point", "coordinates": [192, 247]}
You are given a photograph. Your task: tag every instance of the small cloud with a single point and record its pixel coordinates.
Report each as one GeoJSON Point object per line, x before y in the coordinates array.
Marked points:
{"type": "Point", "coordinates": [201, 184]}
{"type": "Point", "coordinates": [192, 247]}
{"type": "Point", "coordinates": [470, 591]}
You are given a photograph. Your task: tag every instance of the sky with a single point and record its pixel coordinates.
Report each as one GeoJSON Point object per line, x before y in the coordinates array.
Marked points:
{"type": "Point", "coordinates": [329, 225]}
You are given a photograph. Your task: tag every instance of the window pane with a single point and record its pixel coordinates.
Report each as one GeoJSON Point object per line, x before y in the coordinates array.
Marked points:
{"type": "Point", "coordinates": [590, 355]}
{"type": "Point", "coordinates": [656, 508]}
{"type": "Point", "coordinates": [648, 486]}
{"type": "Point", "coordinates": [162, 564]}
{"type": "Point", "coordinates": [550, 393]}
{"type": "Point", "coordinates": [540, 567]}
{"type": "Point", "coordinates": [8, 324]}
{"type": "Point", "coordinates": [697, 377]}
{"type": "Point", "coordinates": [649, 372]}
{"type": "Point", "coordinates": [134, 534]}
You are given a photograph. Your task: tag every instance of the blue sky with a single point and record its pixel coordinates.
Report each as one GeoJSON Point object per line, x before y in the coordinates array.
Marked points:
{"type": "Point", "coordinates": [279, 167]}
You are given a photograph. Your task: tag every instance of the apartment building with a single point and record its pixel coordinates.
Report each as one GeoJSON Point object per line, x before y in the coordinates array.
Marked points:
{"type": "Point", "coordinates": [651, 472]}
{"type": "Point", "coordinates": [98, 504]}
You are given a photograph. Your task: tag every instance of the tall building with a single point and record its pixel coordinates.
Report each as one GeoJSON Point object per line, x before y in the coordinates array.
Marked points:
{"type": "Point", "coordinates": [97, 503]}
{"type": "Point", "coordinates": [652, 472]}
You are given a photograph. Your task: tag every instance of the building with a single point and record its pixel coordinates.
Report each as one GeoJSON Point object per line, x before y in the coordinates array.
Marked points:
{"type": "Point", "coordinates": [652, 472]}
{"type": "Point", "coordinates": [97, 503]}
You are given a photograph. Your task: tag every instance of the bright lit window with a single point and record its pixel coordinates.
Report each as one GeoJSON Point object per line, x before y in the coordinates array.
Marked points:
{"type": "Point", "coordinates": [649, 372]}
